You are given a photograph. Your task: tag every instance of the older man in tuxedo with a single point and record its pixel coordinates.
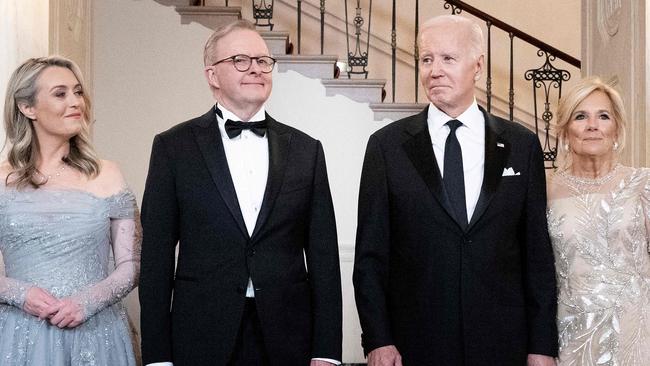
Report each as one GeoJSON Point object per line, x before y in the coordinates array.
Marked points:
{"type": "Point", "coordinates": [453, 262]}
{"type": "Point", "coordinates": [247, 200]}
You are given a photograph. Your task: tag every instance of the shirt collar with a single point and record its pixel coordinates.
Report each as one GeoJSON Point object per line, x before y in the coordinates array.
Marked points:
{"type": "Point", "coordinates": [228, 115]}
{"type": "Point", "coordinates": [472, 117]}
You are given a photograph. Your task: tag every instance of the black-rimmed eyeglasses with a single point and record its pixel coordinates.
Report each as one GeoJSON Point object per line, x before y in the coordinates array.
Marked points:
{"type": "Point", "coordinates": [242, 63]}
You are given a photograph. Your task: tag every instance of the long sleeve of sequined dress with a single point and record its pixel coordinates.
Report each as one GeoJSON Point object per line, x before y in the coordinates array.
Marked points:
{"type": "Point", "coordinates": [600, 234]}
{"type": "Point", "coordinates": [12, 292]}
{"type": "Point", "coordinates": [62, 241]}
{"type": "Point", "coordinates": [126, 240]}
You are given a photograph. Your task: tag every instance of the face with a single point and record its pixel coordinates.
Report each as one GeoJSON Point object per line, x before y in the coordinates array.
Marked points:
{"type": "Point", "coordinates": [59, 106]}
{"type": "Point", "coordinates": [238, 90]}
{"type": "Point", "coordinates": [448, 67]}
{"type": "Point", "coordinates": [592, 128]}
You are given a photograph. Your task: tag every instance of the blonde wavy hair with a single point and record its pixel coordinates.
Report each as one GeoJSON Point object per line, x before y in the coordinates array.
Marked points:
{"type": "Point", "coordinates": [570, 101]}
{"type": "Point", "coordinates": [21, 137]}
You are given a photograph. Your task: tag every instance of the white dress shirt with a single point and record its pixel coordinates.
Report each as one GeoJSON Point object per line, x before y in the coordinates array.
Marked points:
{"type": "Point", "coordinates": [248, 162]}
{"type": "Point", "coordinates": [471, 136]}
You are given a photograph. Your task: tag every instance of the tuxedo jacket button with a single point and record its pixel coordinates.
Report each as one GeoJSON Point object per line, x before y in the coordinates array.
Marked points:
{"type": "Point", "coordinates": [240, 290]}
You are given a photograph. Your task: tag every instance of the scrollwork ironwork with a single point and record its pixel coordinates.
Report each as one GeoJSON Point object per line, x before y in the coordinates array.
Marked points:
{"type": "Point", "coordinates": [455, 10]}
{"type": "Point", "coordinates": [546, 78]}
{"type": "Point", "coordinates": [263, 11]}
{"type": "Point", "coordinates": [358, 58]}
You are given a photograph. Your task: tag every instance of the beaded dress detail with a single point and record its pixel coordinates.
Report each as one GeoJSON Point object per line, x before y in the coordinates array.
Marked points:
{"type": "Point", "coordinates": [62, 241]}
{"type": "Point", "coordinates": [600, 229]}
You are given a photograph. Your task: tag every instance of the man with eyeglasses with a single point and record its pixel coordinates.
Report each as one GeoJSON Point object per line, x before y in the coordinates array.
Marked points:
{"type": "Point", "coordinates": [247, 200]}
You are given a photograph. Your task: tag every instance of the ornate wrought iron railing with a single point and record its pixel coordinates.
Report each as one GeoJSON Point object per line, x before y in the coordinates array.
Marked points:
{"type": "Point", "coordinates": [545, 78]}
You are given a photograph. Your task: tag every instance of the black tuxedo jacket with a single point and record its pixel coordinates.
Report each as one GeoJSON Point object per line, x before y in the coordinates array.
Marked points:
{"type": "Point", "coordinates": [444, 295]}
{"type": "Point", "coordinates": [190, 199]}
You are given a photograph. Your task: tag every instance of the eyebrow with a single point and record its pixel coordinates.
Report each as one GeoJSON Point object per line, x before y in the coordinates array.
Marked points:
{"type": "Point", "coordinates": [598, 111]}
{"type": "Point", "coordinates": [65, 86]}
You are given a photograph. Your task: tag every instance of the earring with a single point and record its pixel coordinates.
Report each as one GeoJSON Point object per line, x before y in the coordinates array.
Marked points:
{"type": "Point", "coordinates": [615, 146]}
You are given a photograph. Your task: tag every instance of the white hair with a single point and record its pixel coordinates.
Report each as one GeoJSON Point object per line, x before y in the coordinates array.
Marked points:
{"type": "Point", "coordinates": [475, 31]}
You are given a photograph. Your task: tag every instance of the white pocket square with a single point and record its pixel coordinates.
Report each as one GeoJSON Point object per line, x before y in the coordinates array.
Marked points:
{"type": "Point", "coordinates": [509, 172]}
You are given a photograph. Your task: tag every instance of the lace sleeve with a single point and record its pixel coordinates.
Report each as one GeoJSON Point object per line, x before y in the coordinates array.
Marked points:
{"type": "Point", "coordinates": [12, 291]}
{"type": "Point", "coordinates": [126, 240]}
{"type": "Point", "coordinates": [645, 200]}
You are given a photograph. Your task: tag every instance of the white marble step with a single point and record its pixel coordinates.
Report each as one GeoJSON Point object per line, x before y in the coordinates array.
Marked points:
{"type": "Point", "coordinates": [395, 111]}
{"type": "Point", "coordinates": [209, 16]}
{"type": "Point", "coordinates": [313, 66]}
{"type": "Point", "coordinates": [276, 41]}
{"type": "Point", "coordinates": [359, 90]}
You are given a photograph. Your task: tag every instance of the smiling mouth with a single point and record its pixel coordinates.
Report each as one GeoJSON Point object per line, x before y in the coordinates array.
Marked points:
{"type": "Point", "coordinates": [77, 115]}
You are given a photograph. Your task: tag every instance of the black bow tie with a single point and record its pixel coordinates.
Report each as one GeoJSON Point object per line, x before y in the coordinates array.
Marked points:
{"type": "Point", "coordinates": [234, 128]}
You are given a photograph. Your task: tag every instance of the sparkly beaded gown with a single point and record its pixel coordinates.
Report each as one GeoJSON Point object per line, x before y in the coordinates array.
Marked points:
{"type": "Point", "coordinates": [62, 241]}
{"type": "Point", "coordinates": [600, 230]}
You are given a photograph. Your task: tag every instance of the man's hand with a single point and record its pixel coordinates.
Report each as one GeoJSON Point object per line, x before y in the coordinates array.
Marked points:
{"type": "Point", "coordinates": [67, 313]}
{"type": "Point", "coordinates": [38, 302]}
{"type": "Point", "coordinates": [385, 356]}
{"type": "Point", "coordinates": [540, 360]}
{"type": "Point", "coordinates": [320, 363]}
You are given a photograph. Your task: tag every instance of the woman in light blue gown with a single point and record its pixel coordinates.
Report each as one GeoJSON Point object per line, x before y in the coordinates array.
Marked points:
{"type": "Point", "coordinates": [63, 212]}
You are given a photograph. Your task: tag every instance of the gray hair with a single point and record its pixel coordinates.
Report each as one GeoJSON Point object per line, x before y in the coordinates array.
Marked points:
{"type": "Point", "coordinates": [221, 31]}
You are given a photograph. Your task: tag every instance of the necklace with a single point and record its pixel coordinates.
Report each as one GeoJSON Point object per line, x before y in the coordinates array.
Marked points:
{"type": "Point", "coordinates": [587, 185]}
{"type": "Point", "coordinates": [57, 173]}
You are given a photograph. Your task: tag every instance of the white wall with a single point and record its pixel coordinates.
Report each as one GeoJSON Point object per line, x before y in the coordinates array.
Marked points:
{"type": "Point", "coordinates": [23, 34]}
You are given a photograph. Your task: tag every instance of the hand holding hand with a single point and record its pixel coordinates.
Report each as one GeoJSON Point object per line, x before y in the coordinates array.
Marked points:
{"type": "Point", "coordinates": [384, 356]}
{"type": "Point", "coordinates": [68, 313]}
{"type": "Point", "coordinates": [38, 302]}
{"type": "Point", "coordinates": [540, 360]}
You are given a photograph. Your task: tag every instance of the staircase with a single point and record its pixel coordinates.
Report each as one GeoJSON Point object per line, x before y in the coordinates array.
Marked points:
{"type": "Point", "coordinates": [322, 67]}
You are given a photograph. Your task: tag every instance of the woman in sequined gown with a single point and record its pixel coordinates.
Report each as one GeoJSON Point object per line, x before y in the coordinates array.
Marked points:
{"type": "Point", "coordinates": [599, 220]}
{"type": "Point", "coordinates": [63, 212]}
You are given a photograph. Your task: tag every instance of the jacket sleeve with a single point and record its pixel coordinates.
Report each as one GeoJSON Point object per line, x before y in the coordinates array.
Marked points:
{"type": "Point", "coordinates": [160, 235]}
{"type": "Point", "coordinates": [323, 265]}
{"type": "Point", "coordinates": [372, 250]}
{"type": "Point", "coordinates": [541, 289]}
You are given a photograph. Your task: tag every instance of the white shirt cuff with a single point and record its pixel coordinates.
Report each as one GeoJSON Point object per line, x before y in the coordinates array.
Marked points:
{"type": "Point", "coordinates": [333, 362]}
{"type": "Point", "coordinates": [160, 364]}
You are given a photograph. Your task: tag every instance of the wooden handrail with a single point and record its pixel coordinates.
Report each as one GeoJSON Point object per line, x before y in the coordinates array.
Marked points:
{"type": "Point", "coordinates": [516, 32]}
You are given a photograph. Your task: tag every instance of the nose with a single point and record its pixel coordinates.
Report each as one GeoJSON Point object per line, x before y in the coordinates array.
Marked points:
{"type": "Point", "coordinates": [255, 67]}
{"type": "Point", "coordinates": [436, 70]}
{"type": "Point", "coordinates": [592, 123]}
{"type": "Point", "coordinates": [75, 100]}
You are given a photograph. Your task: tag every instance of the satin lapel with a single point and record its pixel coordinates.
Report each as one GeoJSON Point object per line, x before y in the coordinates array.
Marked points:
{"type": "Point", "coordinates": [496, 154]}
{"type": "Point", "coordinates": [420, 151]}
{"type": "Point", "coordinates": [209, 141]}
{"type": "Point", "coordinates": [279, 140]}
